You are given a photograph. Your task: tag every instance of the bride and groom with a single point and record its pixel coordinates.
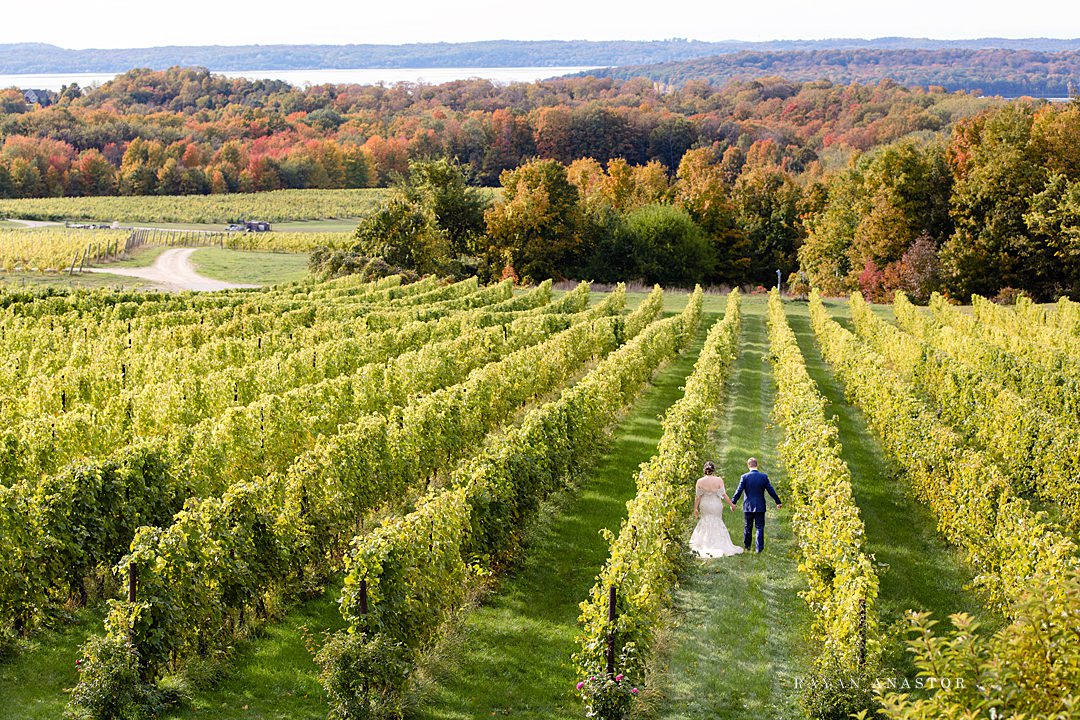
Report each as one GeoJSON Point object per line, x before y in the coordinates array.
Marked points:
{"type": "Point", "coordinates": [711, 538]}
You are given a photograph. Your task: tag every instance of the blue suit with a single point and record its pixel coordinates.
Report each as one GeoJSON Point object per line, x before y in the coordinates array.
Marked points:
{"type": "Point", "coordinates": [755, 484]}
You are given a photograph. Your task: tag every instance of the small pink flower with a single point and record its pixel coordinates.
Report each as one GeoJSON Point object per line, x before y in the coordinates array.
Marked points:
{"type": "Point", "coordinates": [593, 677]}
{"type": "Point", "coordinates": [619, 677]}
{"type": "Point", "coordinates": [581, 685]}
{"type": "Point", "coordinates": [633, 690]}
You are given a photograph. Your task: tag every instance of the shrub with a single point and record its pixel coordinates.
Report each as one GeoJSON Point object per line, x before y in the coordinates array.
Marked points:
{"type": "Point", "coordinates": [607, 697]}
{"type": "Point", "coordinates": [363, 677]}
{"type": "Point", "coordinates": [832, 696]}
{"type": "Point", "coordinates": [1009, 295]}
{"type": "Point", "coordinates": [669, 246]}
{"type": "Point", "coordinates": [110, 686]}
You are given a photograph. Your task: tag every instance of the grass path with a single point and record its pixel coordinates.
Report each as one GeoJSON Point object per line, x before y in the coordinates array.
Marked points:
{"type": "Point", "coordinates": [511, 656]}
{"type": "Point", "coordinates": [273, 677]}
{"type": "Point", "coordinates": [916, 568]}
{"type": "Point", "coordinates": [34, 683]}
{"type": "Point", "coordinates": [738, 642]}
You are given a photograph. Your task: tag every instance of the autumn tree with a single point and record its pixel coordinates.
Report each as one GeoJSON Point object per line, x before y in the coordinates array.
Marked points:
{"type": "Point", "coordinates": [535, 227]}
{"type": "Point", "coordinates": [702, 191]}
{"type": "Point", "coordinates": [766, 202]}
{"type": "Point", "coordinates": [996, 173]}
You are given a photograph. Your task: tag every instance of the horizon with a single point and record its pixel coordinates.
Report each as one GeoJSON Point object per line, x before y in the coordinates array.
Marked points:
{"type": "Point", "coordinates": [115, 24]}
{"type": "Point", "coordinates": [688, 41]}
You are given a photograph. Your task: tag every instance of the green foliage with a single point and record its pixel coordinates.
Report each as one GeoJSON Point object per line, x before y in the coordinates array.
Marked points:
{"type": "Point", "coordinates": [1035, 449]}
{"type": "Point", "coordinates": [277, 206]}
{"type": "Point", "coordinates": [875, 211]}
{"type": "Point", "coordinates": [607, 697]}
{"type": "Point", "coordinates": [110, 685]}
{"type": "Point", "coordinates": [364, 676]}
{"type": "Point", "coordinates": [766, 202]}
{"type": "Point", "coordinates": [413, 566]}
{"type": "Point", "coordinates": [669, 247]}
{"type": "Point", "coordinates": [403, 234]}
{"type": "Point", "coordinates": [534, 228]}
{"type": "Point", "coordinates": [1013, 225]}
{"type": "Point", "coordinates": [295, 495]}
{"type": "Point", "coordinates": [830, 694]}
{"type": "Point", "coordinates": [975, 507]}
{"type": "Point", "coordinates": [432, 219]}
{"type": "Point", "coordinates": [1028, 670]}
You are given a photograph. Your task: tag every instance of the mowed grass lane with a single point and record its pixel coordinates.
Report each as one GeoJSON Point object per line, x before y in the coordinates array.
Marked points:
{"type": "Point", "coordinates": [740, 625]}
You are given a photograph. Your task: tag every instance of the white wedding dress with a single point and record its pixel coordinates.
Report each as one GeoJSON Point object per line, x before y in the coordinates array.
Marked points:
{"type": "Point", "coordinates": [711, 538]}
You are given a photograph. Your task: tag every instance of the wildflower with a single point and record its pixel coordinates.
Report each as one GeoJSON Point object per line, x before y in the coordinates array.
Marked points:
{"type": "Point", "coordinates": [633, 690]}
{"type": "Point", "coordinates": [581, 685]}
{"type": "Point", "coordinates": [619, 677]}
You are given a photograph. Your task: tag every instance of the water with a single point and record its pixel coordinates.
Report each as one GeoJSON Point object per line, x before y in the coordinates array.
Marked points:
{"type": "Point", "coordinates": [362, 76]}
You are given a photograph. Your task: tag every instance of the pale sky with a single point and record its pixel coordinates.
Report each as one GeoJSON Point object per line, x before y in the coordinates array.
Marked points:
{"type": "Point", "coordinates": [125, 23]}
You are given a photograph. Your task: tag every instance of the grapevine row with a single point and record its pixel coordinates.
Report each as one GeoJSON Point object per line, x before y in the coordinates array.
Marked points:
{"type": "Point", "coordinates": [843, 584]}
{"type": "Point", "coordinates": [262, 437]}
{"type": "Point", "coordinates": [224, 558]}
{"type": "Point", "coordinates": [1036, 451]}
{"type": "Point", "coordinates": [1004, 540]}
{"type": "Point", "coordinates": [413, 568]}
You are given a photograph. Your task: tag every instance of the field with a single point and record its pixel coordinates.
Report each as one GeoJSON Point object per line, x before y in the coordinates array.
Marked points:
{"type": "Point", "coordinates": [375, 498]}
{"type": "Point", "coordinates": [275, 206]}
{"type": "Point", "coordinates": [55, 249]}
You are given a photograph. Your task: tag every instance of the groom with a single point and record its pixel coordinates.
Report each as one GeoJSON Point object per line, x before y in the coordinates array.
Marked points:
{"type": "Point", "coordinates": [755, 484]}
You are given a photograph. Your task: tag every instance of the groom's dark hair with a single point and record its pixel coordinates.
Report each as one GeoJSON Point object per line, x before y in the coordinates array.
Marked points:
{"type": "Point", "coordinates": [751, 463]}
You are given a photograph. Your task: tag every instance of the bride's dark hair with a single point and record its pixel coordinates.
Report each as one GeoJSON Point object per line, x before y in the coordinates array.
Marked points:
{"type": "Point", "coordinates": [709, 467]}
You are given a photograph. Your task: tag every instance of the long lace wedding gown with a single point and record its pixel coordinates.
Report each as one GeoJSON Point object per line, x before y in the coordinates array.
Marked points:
{"type": "Point", "coordinates": [711, 538]}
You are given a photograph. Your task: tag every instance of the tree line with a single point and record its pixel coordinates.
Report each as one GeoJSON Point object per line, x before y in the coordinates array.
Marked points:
{"type": "Point", "coordinates": [1011, 72]}
{"type": "Point", "coordinates": [993, 209]}
{"type": "Point", "coordinates": [189, 131]}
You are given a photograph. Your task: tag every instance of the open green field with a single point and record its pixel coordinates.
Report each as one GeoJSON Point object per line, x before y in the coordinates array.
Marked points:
{"type": "Point", "coordinates": [259, 268]}
{"type": "Point", "coordinates": [738, 636]}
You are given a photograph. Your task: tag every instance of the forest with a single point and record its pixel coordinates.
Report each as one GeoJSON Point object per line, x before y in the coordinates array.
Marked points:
{"type": "Point", "coordinates": [989, 71]}
{"type": "Point", "coordinates": [873, 187]}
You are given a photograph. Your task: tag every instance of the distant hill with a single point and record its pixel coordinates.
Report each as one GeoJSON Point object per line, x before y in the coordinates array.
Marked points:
{"type": "Point", "coordinates": [44, 58]}
{"type": "Point", "coordinates": [993, 71]}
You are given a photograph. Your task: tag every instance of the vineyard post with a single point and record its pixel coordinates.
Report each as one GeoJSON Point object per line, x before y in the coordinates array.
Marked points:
{"type": "Point", "coordinates": [74, 260]}
{"type": "Point", "coordinates": [133, 579]}
{"type": "Point", "coordinates": [363, 614]}
{"type": "Point", "coordinates": [862, 632]}
{"type": "Point", "coordinates": [82, 263]}
{"type": "Point", "coordinates": [611, 632]}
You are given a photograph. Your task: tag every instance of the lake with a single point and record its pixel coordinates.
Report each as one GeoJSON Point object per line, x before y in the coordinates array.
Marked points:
{"type": "Point", "coordinates": [361, 76]}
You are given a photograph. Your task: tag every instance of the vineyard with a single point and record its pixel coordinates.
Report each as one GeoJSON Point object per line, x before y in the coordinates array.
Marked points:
{"type": "Point", "coordinates": [50, 249]}
{"type": "Point", "coordinates": [273, 206]}
{"type": "Point", "coordinates": [183, 477]}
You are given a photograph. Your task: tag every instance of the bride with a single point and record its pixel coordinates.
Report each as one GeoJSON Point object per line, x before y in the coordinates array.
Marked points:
{"type": "Point", "coordinates": [711, 538]}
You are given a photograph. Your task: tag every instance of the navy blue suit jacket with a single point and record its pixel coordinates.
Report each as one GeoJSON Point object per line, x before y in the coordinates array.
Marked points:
{"type": "Point", "coordinates": [755, 484]}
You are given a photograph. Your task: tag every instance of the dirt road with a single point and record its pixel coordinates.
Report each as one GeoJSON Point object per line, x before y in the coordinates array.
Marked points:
{"type": "Point", "coordinates": [173, 271]}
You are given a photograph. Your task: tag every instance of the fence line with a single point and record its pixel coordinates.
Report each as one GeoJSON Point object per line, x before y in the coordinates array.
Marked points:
{"type": "Point", "coordinates": [138, 237]}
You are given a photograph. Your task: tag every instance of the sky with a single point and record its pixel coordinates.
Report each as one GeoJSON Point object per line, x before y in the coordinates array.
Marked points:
{"type": "Point", "coordinates": [80, 24]}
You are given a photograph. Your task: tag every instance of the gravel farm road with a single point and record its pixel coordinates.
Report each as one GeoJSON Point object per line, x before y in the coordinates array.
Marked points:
{"type": "Point", "coordinates": [173, 271]}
